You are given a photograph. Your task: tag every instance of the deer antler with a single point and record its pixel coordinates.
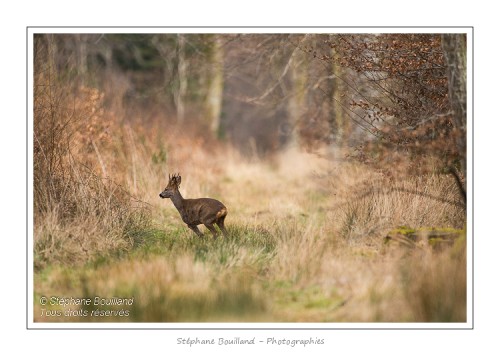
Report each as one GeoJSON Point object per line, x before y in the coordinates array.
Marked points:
{"type": "Point", "coordinates": [174, 178]}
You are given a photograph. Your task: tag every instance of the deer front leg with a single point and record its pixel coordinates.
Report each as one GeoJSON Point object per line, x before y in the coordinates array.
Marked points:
{"type": "Point", "coordinates": [212, 229]}
{"type": "Point", "coordinates": [195, 229]}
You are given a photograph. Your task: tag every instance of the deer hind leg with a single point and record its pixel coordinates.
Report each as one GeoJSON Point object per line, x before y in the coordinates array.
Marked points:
{"type": "Point", "coordinates": [196, 230]}
{"type": "Point", "coordinates": [212, 229]}
{"type": "Point", "coordinates": [220, 224]}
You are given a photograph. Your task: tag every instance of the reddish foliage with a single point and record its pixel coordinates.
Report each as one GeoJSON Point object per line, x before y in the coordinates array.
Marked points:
{"type": "Point", "coordinates": [402, 86]}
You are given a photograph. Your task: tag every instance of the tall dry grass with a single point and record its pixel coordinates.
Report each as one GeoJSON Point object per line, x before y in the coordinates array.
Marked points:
{"type": "Point", "coordinates": [369, 203]}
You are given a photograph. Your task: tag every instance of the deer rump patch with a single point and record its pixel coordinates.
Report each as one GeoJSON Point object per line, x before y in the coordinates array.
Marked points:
{"type": "Point", "coordinates": [221, 213]}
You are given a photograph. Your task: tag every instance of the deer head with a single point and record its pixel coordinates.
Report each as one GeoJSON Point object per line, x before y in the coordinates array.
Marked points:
{"type": "Point", "coordinates": [174, 182]}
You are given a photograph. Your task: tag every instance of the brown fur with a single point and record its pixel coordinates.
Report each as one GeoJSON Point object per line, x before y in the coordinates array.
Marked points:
{"type": "Point", "coordinates": [206, 211]}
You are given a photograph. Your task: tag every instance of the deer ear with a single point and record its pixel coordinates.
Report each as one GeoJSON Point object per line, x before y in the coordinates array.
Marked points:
{"type": "Point", "coordinates": [178, 180]}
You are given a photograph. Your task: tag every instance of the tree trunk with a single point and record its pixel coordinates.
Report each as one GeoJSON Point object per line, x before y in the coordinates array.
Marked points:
{"type": "Point", "coordinates": [81, 56]}
{"type": "Point", "coordinates": [337, 119]}
{"type": "Point", "coordinates": [182, 76]}
{"type": "Point", "coordinates": [216, 86]}
{"type": "Point", "coordinates": [296, 103]}
{"type": "Point", "coordinates": [455, 53]}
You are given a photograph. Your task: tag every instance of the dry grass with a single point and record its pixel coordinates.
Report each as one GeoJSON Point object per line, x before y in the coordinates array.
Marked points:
{"type": "Point", "coordinates": [370, 204]}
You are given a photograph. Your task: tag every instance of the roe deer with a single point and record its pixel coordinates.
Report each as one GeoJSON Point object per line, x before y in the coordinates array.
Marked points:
{"type": "Point", "coordinates": [194, 212]}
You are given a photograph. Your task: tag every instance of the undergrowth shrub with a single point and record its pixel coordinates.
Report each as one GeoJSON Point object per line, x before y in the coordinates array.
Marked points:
{"type": "Point", "coordinates": [77, 213]}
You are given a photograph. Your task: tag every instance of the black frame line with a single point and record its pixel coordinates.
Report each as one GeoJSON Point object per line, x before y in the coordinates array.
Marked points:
{"type": "Point", "coordinates": [471, 112]}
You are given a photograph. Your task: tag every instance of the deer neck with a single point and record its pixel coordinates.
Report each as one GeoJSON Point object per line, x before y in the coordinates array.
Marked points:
{"type": "Point", "coordinates": [178, 201]}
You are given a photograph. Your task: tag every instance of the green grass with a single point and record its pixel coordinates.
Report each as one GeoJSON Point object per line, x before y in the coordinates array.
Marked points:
{"type": "Point", "coordinates": [308, 303]}
{"type": "Point", "coordinates": [227, 288]}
